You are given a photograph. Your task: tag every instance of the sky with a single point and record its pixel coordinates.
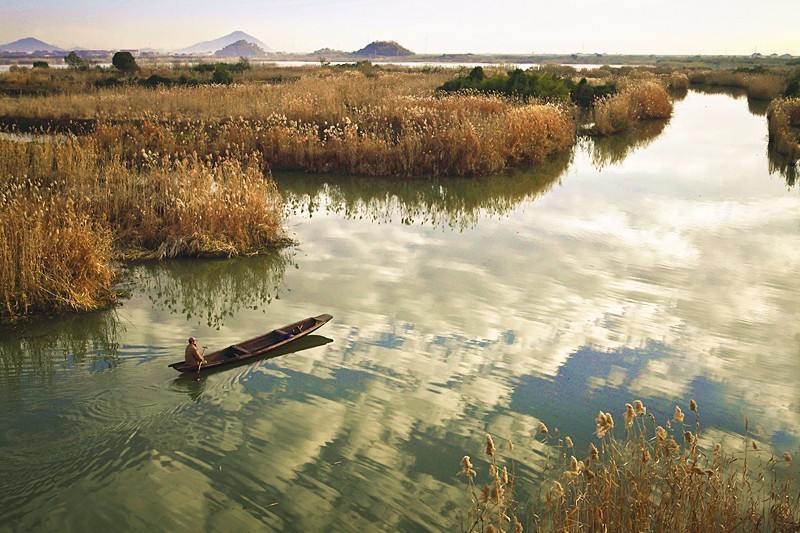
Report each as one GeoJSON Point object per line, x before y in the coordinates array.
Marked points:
{"type": "Point", "coordinates": [433, 26]}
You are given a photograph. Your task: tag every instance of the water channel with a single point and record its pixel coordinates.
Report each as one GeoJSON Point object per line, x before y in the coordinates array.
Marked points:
{"type": "Point", "coordinates": [662, 266]}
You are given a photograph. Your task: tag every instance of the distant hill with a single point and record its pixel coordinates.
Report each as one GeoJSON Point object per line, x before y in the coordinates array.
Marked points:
{"type": "Point", "coordinates": [209, 47]}
{"type": "Point", "coordinates": [29, 44]}
{"type": "Point", "coordinates": [241, 49]}
{"type": "Point", "coordinates": [383, 49]}
{"type": "Point", "coordinates": [329, 52]}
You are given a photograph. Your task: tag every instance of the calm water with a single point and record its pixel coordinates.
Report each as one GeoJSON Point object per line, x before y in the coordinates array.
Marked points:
{"type": "Point", "coordinates": [664, 266]}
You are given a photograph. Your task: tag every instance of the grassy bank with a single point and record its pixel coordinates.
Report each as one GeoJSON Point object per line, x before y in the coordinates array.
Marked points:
{"type": "Point", "coordinates": [667, 477]}
{"type": "Point", "coordinates": [71, 208]}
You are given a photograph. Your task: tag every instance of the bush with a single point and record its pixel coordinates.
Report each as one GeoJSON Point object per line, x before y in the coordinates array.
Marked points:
{"type": "Point", "coordinates": [585, 94]}
{"type": "Point", "coordinates": [76, 62]}
{"type": "Point", "coordinates": [222, 75]}
{"type": "Point", "coordinates": [125, 62]}
{"type": "Point", "coordinates": [156, 80]}
{"type": "Point", "coordinates": [518, 83]}
{"type": "Point", "coordinates": [41, 64]}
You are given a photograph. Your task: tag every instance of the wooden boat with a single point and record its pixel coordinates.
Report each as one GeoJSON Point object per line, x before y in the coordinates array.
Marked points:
{"type": "Point", "coordinates": [258, 346]}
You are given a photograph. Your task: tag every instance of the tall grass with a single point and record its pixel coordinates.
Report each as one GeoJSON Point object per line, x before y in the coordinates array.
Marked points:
{"type": "Point", "coordinates": [52, 256]}
{"type": "Point", "coordinates": [71, 207]}
{"type": "Point", "coordinates": [636, 101]}
{"type": "Point", "coordinates": [761, 86]}
{"type": "Point", "coordinates": [665, 477]}
{"type": "Point", "coordinates": [344, 122]}
{"type": "Point", "coordinates": [783, 116]}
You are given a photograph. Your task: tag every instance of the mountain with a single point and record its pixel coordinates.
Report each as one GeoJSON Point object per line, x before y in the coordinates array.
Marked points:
{"type": "Point", "coordinates": [383, 49]}
{"type": "Point", "coordinates": [209, 47]}
{"type": "Point", "coordinates": [241, 49]}
{"type": "Point", "coordinates": [29, 44]}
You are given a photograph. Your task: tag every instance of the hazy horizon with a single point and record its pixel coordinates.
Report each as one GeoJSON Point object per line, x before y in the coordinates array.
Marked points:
{"type": "Point", "coordinates": [678, 27]}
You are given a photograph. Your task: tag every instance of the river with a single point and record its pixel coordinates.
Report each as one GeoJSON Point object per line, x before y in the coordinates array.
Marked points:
{"type": "Point", "coordinates": [662, 266]}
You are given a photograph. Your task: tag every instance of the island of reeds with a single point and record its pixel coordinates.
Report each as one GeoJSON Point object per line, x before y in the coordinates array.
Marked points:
{"type": "Point", "coordinates": [100, 165]}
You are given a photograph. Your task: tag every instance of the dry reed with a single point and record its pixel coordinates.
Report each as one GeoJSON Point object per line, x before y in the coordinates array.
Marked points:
{"type": "Point", "coordinates": [760, 86]}
{"type": "Point", "coordinates": [650, 481]}
{"type": "Point", "coordinates": [637, 100]}
{"type": "Point", "coordinates": [70, 207]}
{"type": "Point", "coordinates": [783, 116]}
{"type": "Point", "coordinates": [52, 256]}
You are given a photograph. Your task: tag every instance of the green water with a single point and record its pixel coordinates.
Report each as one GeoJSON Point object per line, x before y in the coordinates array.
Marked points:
{"type": "Point", "coordinates": [662, 266]}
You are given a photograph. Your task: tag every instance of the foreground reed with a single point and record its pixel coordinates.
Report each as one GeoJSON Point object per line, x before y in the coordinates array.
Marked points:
{"type": "Point", "coordinates": [53, 257]}
{"type": "Point", "coordinates": [71, 207]}
{"type": "Point", "coordinates": [783, 116]}
{"type": "Point", "coordinates": [636, 101]}
{"type": "Point", "coordinates": [650, 481]}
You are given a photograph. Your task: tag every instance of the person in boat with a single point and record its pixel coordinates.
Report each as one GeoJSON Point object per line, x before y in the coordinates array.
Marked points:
{"type": "Point", "coordinates": [192, 355]}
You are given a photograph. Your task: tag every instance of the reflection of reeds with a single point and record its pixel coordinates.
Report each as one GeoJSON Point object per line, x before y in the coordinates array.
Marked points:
{"type": "Point", "coordinates": [212, 291]}
{"type": "Point", "coordinates": [613, 149]}
{"type": "Point", "coordinates": [638, 100]}
{"type": "Point", "coordinates": [453, 202]}
{"type": "Point", "coordinates": [649, 481]}
{"type": "Point", "coordinates": [34, 350]}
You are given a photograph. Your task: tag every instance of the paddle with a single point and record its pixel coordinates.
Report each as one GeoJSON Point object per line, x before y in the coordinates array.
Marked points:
{"type": "Point", "coordinates": [201, 364]}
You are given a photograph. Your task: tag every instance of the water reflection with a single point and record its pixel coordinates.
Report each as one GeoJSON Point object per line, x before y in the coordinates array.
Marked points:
{"type": "Point", "coordinates": [592, 380]}
{"type": "Point", "coordinates": [670, 276]}
{"type": "Point", "coordinates": [35, 348]}
{"type": "Point", "coordinates": [213, 290]}
{"type": "Point", "coordinates": [454, 203]}
{"type": "Point", "coordinates": [781, 165]}
{"type": "Point", "coordinates": [614, 149]}
{"type": "Point", "coordinates": [757, 106]}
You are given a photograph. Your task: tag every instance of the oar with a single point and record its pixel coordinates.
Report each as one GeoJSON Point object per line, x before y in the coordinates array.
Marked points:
{"type": "Point", "coordinates": [201, 364]}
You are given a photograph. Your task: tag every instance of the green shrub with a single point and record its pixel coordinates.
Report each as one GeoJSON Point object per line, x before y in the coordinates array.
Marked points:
{"type": "Point", "coordinates": [517, 82]}
{"type": "Point", "coordinates": [222, 75]}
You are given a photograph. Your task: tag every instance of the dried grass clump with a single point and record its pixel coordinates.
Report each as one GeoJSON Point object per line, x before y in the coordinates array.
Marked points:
{"type": "Point", "coordinates": [403, 135]}
{"type": "Point", "coordinates": [70, 207]}
{"type": "Point", "coordinates": [783, 116]}
{"type": "Point", "coordinates": [764, 86]}
{"type": "Point", "coordinates": [678, 81]}
{"type": "Point", "coordinates": [649, 481]}
{"type": "Point", "coordinates": [52, 257]}
{"type": "Point", "coordinates": [636, 101]}
{"type": "Point", "coordinates": [759, 86]}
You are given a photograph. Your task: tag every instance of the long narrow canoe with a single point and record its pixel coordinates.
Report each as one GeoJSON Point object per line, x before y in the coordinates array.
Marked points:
{"type": "Point", "coordinates": [258, 346]}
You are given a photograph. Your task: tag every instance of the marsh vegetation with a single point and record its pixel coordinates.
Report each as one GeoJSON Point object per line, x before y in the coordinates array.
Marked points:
{"type": "Point", "coordinates": [175, 161]}
{"type": "Point", "coordinates": [662, 475]}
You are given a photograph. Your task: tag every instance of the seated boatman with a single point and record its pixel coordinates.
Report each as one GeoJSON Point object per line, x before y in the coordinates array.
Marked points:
{"type": "Point", "coordinates": [192, 356]}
